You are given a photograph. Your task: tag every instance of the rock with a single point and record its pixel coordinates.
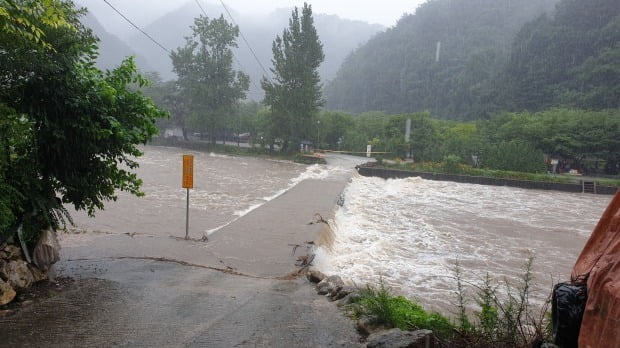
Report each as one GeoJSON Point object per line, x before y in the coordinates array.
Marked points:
{"type": "Point", "coordinates": [343, 292]}
{"type": "Point", "coordinates": [7, 294]}
{"type": "Point", "coordinates": [47, 250]}
{"type": "Point", "coordinates": [2, 265]}
{"type": "Point", "coordinates": [18, 274]}
{"type": "Point", "coordinates": [348, 299]}
{"type": "Point", "coordinates": [322, 287]}
{"type": "Point", "coordinates": [37, 274]}
{"type": "Point", "coordinates": [315, 276]}
{"type": "Point", "coordinates": [330, 285]}
{"type": "Point", "coordinates": [12, 252]}
{"type": "Point", "coordinates": [396, 338]}
{"type": "Point", "coordinates": [367, 326]}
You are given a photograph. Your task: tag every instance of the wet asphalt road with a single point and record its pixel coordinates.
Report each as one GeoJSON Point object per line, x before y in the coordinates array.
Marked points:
{"type": "Point", "coordinates": [133, 303]}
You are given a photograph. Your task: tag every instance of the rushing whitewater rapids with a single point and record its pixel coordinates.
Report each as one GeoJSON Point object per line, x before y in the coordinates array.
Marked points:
{"type": "Point", "coordinates": [410, 232]}
{"type": "Point", "coordinates": [407, 231]}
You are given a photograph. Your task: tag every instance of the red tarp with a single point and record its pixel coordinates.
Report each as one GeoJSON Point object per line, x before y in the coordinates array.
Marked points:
{"type": "Point", "coordinates": [599, 266]}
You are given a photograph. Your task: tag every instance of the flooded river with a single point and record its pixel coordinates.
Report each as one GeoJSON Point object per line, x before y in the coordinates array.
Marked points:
{"type": "Point", "coordinates": [409, 232]}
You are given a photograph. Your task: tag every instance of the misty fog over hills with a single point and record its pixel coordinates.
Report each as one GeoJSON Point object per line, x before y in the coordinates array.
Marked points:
{"type": "Point", "coordinates": [339, 37]}
{"type": "Point", "coordinates": [112, 50]}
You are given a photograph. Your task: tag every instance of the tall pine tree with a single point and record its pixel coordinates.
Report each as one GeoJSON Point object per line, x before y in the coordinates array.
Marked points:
{"type": "Point", "coordinates": [294, 94]}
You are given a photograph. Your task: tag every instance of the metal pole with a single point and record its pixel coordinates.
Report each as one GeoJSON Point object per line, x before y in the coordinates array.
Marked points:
{"type": "Point", "coordinates": [187, 217]}
{"type": "Point", "coordinates": [318, 136]}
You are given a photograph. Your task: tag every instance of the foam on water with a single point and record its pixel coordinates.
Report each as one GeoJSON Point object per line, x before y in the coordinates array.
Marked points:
{"type": "Point", "coordinates": [411, 231]}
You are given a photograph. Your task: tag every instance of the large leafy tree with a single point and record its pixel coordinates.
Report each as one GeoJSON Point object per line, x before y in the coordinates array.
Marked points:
{"type": "Point", "coordinates": [206, 77]}
{"type": "Point", "coordinates": [294, 95]}
{"type": "Point", "coordinates": [68, 131]}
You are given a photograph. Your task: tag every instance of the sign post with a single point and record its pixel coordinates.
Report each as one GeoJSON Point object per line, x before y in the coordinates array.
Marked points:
{"type": "Point", "coordinates": [188, 183]}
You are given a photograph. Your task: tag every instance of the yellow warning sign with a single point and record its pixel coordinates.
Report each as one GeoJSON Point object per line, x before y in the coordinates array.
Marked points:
{"type": "Point", "coordinates": [188, 171]}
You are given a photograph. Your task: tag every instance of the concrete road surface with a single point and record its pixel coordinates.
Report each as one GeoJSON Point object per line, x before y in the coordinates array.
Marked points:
{"type": "Point", "coordinates": [162, 292]}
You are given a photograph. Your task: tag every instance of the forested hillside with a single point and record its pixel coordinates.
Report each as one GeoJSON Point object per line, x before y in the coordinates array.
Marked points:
{"type": "Point", "coordinates": [447, 58]}
{"type": "Point", "coordinates": [571, 59]}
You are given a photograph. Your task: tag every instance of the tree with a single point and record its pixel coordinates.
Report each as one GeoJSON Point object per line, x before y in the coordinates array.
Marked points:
{"type": "Point", "coordinates": [206, 76]}
{"type": "Point", "coordinates": [167, 96]}
{"type": "Point", "coordinates": [69, 132]}
{"type": "Point", "coordinates": [294, 95]}
{"type": "Point", "coordinates": [24, 20]}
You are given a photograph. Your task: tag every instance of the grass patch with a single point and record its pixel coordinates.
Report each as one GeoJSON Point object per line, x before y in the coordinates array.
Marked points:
{"type": "Point", "coordinates": [379, 305]}
{"type": "Point", "coordinates": [608, 182]}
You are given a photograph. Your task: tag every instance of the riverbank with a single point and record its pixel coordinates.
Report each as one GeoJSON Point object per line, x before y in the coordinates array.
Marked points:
{"type": "Point", "coordinates": [391, 173]}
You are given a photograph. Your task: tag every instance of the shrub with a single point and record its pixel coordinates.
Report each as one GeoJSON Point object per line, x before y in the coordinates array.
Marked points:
{"type": "Point", "coordinates": [452, 164]}
{"type": "Point", "coordinates": [503, 321]}
{"type": "Point", "coordinates": [516, 156]}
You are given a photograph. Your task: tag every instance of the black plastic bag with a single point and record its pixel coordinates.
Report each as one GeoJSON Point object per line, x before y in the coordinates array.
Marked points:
{"type": "Point", "coordinates": [569, 302]}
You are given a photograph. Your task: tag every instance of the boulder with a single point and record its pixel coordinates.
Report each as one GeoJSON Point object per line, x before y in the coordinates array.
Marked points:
{"type": "Point", "coordinates": [37, 274]}
{"type": "Point", "coordinates": [343, 292]}
{"type": "Point", "coordinates": [348, 299]}
{"type": "Point", "coordinates": [12, 252]}
{"type": "Point", "coordinates": [366, 326]}
{"type": "Point", "coordinates": [322, 288]}
{"type": "Point", "coordinates": [17, 274]}
{"type": "Point", "coordinates": [396, 338]}
{"type": "Point", "coordinates": [330, 285]}
{"type": "Point", "coordinates": [7, 294]}
{"type": "Point", "coordinates": [315, 276]}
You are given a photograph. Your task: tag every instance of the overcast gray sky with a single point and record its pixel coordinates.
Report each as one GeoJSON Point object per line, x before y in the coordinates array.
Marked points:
{"type": "Point", "coordinates": [385, 12]}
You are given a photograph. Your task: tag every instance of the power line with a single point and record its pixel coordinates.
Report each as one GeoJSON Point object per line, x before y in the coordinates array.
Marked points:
{"type": "Point", "coordinates": [234, 57]}
{"type": "Point", "coordinates": [135, 26]}
{"type": "Point", "coordinates": [245, 40]}
{"type": "Point", "coordinates": [202, 9]}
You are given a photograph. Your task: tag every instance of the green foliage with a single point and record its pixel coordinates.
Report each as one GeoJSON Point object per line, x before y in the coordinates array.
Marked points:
{"type": "Point", "coordinates": [396, 311]}
{"type": "Point", "coordinates": [504, 319]}
{"type": "Point", "coordinates": [567, 60]}
{"type": "Point", "coordinates": [69, 131]}
{"type": "Point", "coordinates": [397, 71]}
{"type": "Point", "coordinates": [488, 316]}
{"type": "Point", "coordinates": [209, 87]}
{"type": "Point", "coordinates": [560, 133]}
{"type": "Point", "coordinates": [294, 94]}
{"type": "Point", "coordinates": [515, 156]}
{"type": "Point", "coordinates": [468, 60]}
{"type": "Point", "coordinates": [167, 96]}
{"type": "Point", "coordinates": [26, 20]}
{"type": "Point", "coordinates": [452, 164]}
